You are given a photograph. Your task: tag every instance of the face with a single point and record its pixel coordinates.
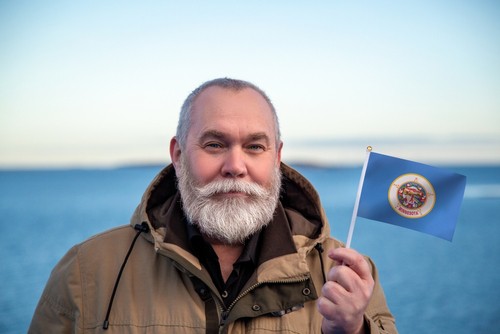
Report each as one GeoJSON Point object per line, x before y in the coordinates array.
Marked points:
{"type": "Point", "coordinates": [231, 135]}
{"type": "Point", "coordinates": [228, 174]}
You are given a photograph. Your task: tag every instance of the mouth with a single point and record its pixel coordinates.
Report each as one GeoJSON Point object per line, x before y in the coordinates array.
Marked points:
{"type": "Point", "coordinates": [232, 194]}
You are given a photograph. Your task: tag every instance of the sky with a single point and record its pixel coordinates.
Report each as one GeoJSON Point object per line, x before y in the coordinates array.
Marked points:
{"type": "Point", "coordinates": [100, 83]}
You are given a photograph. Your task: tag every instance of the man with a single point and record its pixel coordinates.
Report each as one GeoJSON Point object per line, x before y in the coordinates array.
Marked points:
{"type": "Point", "coordinates": [232, 242]}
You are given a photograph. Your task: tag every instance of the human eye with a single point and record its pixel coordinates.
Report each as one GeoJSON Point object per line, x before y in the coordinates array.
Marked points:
{"type": "Point", "coordinates": [212, 146]}
{"type": "Point", "coordinates": [256, 148]}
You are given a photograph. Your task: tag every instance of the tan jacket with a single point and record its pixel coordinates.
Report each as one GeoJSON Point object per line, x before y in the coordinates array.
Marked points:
{"type": "Point", "coordinates": [164, 289]}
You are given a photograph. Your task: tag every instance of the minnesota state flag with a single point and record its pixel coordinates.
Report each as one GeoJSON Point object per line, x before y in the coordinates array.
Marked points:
{"type": "Point", "coordinates": [411, 195]}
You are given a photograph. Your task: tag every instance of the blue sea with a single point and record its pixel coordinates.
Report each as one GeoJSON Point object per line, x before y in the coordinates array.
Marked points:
{"type": "Point", "coordinates": [432, 285]}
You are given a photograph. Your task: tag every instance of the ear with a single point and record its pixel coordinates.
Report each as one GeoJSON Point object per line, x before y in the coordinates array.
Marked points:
{"type": "Point", "coordinates": [278, 156]}
{"type": "Point", "coordinates": [175, 151]}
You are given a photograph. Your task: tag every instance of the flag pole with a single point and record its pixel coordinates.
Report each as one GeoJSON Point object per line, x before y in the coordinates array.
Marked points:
{"type": "Point", "coordinates": [358, 195]}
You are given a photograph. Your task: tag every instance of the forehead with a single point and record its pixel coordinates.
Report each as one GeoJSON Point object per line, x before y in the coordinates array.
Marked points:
{"type": "Point", "coordinates": [222, 109]}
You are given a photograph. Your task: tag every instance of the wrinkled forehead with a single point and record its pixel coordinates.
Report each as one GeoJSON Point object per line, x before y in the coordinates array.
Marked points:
{"type": "Point", "coordinates": [242, 105]}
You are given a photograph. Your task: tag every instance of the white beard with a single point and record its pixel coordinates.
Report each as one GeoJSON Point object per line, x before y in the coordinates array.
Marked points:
{"type": "Point", "coordinates": [230, 220]}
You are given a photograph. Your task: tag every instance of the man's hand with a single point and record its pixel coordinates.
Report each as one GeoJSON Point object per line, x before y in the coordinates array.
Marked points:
{"type": "Point", "coordinates": [346, 293]}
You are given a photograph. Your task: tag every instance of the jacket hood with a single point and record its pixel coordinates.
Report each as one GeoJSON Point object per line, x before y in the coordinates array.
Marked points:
{"type": "Point", "coordinates": [298, 198]}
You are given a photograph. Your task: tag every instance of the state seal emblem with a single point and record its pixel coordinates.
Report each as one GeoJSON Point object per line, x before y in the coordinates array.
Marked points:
{"type": "Point", "coordinates": [411, 196]}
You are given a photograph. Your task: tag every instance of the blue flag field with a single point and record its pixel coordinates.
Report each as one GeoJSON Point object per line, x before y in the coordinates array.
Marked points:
{"type": "Point", "coordinates": [411, 195]}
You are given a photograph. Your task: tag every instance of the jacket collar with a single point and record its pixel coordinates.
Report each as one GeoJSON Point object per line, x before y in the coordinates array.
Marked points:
{"type": "Point", "coordinates": [299, 216]}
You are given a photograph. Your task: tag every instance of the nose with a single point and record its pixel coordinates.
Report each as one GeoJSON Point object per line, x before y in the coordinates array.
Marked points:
{"type": "Point", "coordinates": [234, 163]}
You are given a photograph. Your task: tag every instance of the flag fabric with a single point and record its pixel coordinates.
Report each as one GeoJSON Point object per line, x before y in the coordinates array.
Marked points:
{"type": "Point", "coordinates": [412, 195]}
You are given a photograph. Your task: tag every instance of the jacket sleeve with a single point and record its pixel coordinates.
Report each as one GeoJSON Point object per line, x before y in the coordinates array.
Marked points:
{"type": "Point", "coordinates": [378, 318]}
{"type": "Point", "coordinates": [59, 307]}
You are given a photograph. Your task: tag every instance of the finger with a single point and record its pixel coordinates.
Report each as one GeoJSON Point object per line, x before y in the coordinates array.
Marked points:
{"type": "Point", "coordinates": [353, 260]}
{"type": "Point", "coordinates": [344, 276]}
{"type": "Point", "coordinates": [334, 292]}
{"type": "Point", "coordinates": [327, 308]}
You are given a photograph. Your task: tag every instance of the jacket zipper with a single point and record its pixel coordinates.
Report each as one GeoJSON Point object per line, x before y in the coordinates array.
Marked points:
{"type": "Point", "coordinates": [225, 311]}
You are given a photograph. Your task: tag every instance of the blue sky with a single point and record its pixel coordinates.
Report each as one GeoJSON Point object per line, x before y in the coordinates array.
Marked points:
{"type": "Point", "coordinates": [101, 82]}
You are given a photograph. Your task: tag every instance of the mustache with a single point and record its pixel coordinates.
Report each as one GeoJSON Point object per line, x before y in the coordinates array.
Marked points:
{"type": "Point", "coordinates": [231, 185]}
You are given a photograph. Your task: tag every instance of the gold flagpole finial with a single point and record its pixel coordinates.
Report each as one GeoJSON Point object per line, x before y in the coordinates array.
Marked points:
{"type": "Point", "coordinates": [368, 149]}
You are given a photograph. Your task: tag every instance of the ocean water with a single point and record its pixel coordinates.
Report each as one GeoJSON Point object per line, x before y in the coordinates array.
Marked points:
{"type": "Point", "coordinates": [432, 286]}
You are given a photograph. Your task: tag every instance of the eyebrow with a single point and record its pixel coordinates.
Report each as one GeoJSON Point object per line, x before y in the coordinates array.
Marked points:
{"type": "Point", "coordinates": [215, 134]}
{"type": "Point", "coordinates": [259, 136]}
{"type": "Point", "coordinates": [211, 134]}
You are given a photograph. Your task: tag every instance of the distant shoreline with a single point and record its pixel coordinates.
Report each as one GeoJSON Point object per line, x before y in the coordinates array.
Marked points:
{"type": "Point", "coordinates": [159, 166]}
{"type": "Point", "coordinates": [314, 153]}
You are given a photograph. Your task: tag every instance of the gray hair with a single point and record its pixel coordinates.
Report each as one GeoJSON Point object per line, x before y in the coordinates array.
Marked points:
{"type": "Point", "coordinates": [226, 83]}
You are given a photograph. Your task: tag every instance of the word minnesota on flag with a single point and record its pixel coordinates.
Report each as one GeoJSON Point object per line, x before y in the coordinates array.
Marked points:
{"type": "Point", "coordinates": [411, 195]}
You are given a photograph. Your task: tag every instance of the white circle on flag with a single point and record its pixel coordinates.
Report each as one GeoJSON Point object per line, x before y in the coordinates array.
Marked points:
{"type": "Point", "coordinates": [411, 196]}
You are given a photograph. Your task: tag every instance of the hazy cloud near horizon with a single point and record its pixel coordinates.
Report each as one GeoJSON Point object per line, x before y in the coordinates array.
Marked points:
{"type": "Point", "coordinates": [101, 83]}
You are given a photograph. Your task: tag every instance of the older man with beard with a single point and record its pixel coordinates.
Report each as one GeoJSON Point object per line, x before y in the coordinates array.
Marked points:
{"type": "Point", "coordinates": [232, 242]}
